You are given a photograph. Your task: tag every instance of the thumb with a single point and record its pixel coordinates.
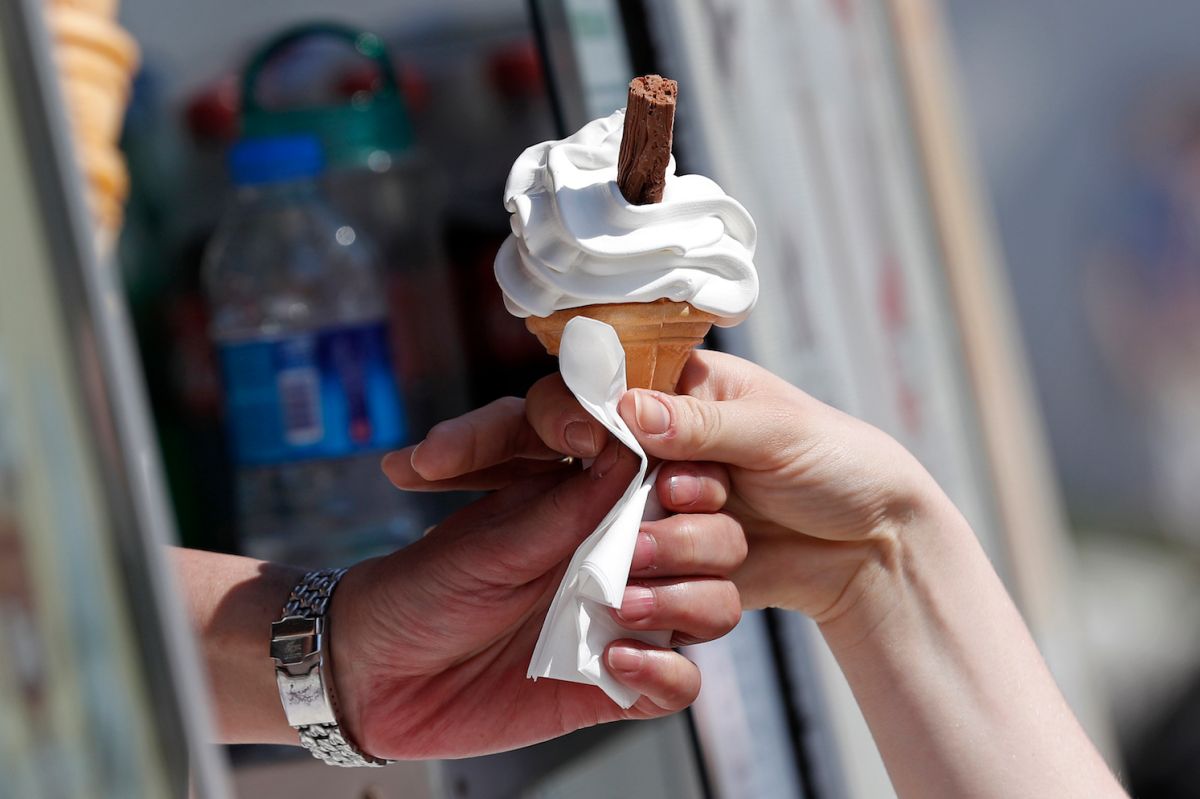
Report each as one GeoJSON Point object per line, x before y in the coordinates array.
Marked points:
{"type": "Point", "coordinates": [685, 428]}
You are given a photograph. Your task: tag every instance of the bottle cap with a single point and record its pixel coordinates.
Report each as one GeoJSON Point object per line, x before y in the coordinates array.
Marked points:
{"type": "Point", "coordinates": [275, 159]}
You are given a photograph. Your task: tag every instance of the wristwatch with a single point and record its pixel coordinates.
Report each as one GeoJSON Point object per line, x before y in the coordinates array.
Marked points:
{"type": "Point", "coordinates": [299, 648]}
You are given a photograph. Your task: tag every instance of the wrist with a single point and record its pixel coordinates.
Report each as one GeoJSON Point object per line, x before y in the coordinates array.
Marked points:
{"type": "Point", "coordinates": [302, 647]}
{"type": "Point", "coordinates": [901, 560]}
{"type": "Point", "coordinates": [346, 651]}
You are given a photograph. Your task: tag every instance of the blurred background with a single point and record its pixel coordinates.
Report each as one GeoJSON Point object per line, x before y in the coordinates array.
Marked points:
{"type": "Point", "coordinates": [387, 130]}
{"type": "Point", "coordinates": [1086, 121]}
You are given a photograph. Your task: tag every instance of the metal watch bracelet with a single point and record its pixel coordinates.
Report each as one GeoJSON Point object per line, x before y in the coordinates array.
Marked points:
{"type": "Point", "coordinates": [299, 648]}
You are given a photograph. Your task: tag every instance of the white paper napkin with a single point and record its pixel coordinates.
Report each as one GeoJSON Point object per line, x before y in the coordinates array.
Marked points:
{"type": "Point", "coordinates": [579, 625]}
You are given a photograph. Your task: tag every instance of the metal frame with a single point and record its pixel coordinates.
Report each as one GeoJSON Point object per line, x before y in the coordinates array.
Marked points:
{"type": "Point", "coordinates": [106, 389]}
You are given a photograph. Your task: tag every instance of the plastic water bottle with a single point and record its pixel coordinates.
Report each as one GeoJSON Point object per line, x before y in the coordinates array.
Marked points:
{"type": "Point", "coordinates": [299, 317]}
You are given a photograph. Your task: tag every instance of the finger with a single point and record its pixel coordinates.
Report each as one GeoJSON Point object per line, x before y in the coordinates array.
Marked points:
{"type": "Point", "coordinates": [561, 422]}
{"type": "Point", "coordinates": [665, 678]}
{"type": "Point", "coordinates": [745, 432]}
{"type": "Point", "coordinates": [398, 468]}
{"type": "Point", "coordinates": [697, 610]}
{"type": "Point", "coordinates": [527, 529]}
{"type": "Point", "coordinates": [493, 434]}
{"type": "Point", "coordinates": [693, 487]}
{"type": "Point", "coordinates": [713, 375]}
{"type": "Point", "coordinates": [710, 545]}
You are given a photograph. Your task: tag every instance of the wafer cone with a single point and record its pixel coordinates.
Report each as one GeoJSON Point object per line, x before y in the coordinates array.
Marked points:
{"type": "Point", "coordinates": [105, 169]}
{"type": "Point", "coordinates": [95, 115]}
{"type": "Point", "coordinates": [96, 59]}
{"type": "Point", "coordinates": [94, 67]}
{"type": "Point", "coordinates": [74, 27]}
{"type": "Point", "coordinates": [657, 336]}
{"type": "Point", "coordinates": [101, 8]}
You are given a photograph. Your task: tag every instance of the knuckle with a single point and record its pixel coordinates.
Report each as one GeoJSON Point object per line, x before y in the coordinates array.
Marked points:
{"type": "Point", "coordinates": [739, 547]}
{"type": "Point", "coordinates": [683, 684]}
{"type": "Point", "coordinates": [444, 430]}
{"type": "Point", "coordinates": [536, 400]}
{"type": "Point", "coordinates": [514, 406]}
{"type": "Point", "coordinates": [546, 394]}
{"type": "Point", "coordinates": [706, 543]}
{"type": "Point", "coordinates": [697, 422]}
{"type": "Point", "coordinates": [735, 605]}
{"type": "Point", "coordinates": [687, 541]}
{"type": "Point", "coordinates": [729, 608]}
{"type": "Point", "coordinates": [469, 432]}
{"type": "Point", "coordinates": [537, 390]}
{"type": "Point", "coordinates": [733, 546]}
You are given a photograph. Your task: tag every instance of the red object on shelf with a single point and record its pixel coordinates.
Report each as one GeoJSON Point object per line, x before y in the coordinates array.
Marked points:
{"type": "Point", "coordinates": [516, 70]}
{"type": "Point", "coordinates": [212, 112]}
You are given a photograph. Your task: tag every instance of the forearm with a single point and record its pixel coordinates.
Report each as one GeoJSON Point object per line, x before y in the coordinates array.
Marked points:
{"type": "Point", "coordinates": [955, 692]}
{"type": "Point", "coordinates": [232, 602]}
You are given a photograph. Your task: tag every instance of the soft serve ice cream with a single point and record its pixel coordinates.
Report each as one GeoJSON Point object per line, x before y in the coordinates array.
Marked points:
{"type": "Point", "coordinates": [576, 241]}
{"type": "Point", "coordinates": [602, 227]}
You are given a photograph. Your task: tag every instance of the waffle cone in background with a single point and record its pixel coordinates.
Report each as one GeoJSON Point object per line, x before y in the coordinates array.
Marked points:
{"type": "Point", "coordinates": [657, 336]}
{"type": "Point", "coordinates": [108, 186]}
{"type": "Point", "coordinates": [95, 119]}
{"type": "Point", "coordinates": [100, 8]}
{"type": "Point", "coordinates": [94, 67]}
{"type": "Point", "coordinates": [96, 59]}
{"type": "Point", "coordinates": [76, 27]}
{"type": "Point", "coordinates": [105, 170]}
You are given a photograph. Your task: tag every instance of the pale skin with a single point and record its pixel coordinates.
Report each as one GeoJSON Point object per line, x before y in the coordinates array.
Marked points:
{"type": "Point", "coordinates": [845, 526]}
{"type": "Point", "coordinates": [430, 645]}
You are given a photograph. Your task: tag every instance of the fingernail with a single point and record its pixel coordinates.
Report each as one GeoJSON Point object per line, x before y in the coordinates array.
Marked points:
{"type": "Point", "coordinates": [637, 604]}
{"type": "Point", "coordinates": [625, 659]}
{"type": "Point", "coordinates": [606, 460]}
{"type": "Point", "coordinates": [643, 552]}
{"type": "Point", "coordinates": [683, 490]}
{"type": "Point", "coordinates": [653, 416]}
{"type": "Point", "coordinates": [580, 440]}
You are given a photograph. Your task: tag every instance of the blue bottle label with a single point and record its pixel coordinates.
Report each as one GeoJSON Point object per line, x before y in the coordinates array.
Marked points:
{"type": "Point", "coordinates": [324, 394]}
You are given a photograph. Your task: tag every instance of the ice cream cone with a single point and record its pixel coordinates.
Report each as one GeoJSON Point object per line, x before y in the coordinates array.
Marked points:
{"type": "Point", "coordinates": [108, 212]}
{"type": "Point", "coordinates": [95, 115]}
{"type": "Point", "coordinates": [105, 169]}
{"type": "Point", "coordinates": [657, 336]}
{"type": "Point", "coordinates": [101, 8]}
{"type": "Point", "coordinates": [93, 67]}
{"type": "Point", "coordinates": [108, 186]}
{"type": "Point", "coordinates": [76, 28]}
{"type": "Point", "coordinates": [107, 183]}
{"type": "Point", "coordinates": [96, 59]}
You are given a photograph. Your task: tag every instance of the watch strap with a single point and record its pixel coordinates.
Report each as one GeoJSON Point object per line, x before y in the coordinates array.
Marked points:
{"type": "Point", "coordinates": [303, 671]}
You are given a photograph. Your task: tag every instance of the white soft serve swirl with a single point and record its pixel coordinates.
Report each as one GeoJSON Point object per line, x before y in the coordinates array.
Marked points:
{"type": "Point", "coordinates": [577, 241]}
